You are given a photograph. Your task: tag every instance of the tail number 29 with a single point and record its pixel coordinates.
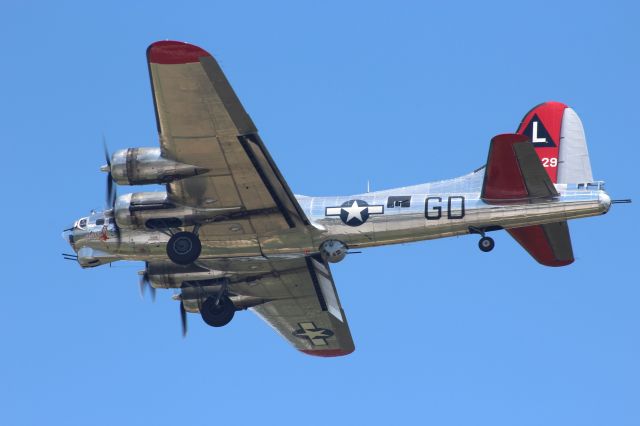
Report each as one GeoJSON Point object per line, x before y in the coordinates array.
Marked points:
{"type": "Point", "coordinates": [549, 162]}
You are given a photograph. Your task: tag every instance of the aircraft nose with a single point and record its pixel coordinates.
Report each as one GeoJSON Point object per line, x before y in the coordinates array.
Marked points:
{"type": "Point", "coordinates": [67, 235]}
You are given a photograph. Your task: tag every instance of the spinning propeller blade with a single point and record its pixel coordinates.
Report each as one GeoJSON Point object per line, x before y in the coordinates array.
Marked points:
{"type": "Point", "coordinates": [111, 193]}
{"type": "Point", "coordinates": [183, 319]}
{"type": "Point", "coordinates": [144, 283]}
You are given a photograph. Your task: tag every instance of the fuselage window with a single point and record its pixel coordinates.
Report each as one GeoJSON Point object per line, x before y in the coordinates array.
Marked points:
{"type": "Point", "coordinates": [100, 222]}
{"type": "Point", "coordinates": [399, 201]}
{"type": "Point", "coordinates": [82, 223]}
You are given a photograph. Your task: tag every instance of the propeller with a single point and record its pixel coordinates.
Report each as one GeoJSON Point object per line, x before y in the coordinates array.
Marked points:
{"type": "Point", "coordinates": [144, 283]}
{"type": "Point", "coordinates": [111, 192]}
{"type": "Point", "coordinates": [183, 319]}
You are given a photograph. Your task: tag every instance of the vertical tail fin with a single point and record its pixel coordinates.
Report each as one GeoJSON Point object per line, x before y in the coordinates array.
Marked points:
{"type": "Point", "coordinates": [556, 132]}
{"type": "Point", "coordinates": [558, 137]}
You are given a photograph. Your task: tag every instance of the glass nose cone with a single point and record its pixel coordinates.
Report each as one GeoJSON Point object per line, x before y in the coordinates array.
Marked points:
{"type": "Point", "coordinates": [68, 236]}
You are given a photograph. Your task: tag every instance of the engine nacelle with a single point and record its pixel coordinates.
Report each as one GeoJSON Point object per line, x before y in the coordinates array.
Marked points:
{"type": "Point", "coordinates": [170, 275]}
{"type": "Point", "coordinates": [141, 166]}
{"type": "Point", "coordinates": [333, 251]}
{"type": "Point", "coordinates": [154, 210]}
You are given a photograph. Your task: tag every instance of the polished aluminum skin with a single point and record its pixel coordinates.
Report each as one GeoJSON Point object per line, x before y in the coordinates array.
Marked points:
{"type": "Point", "coordinates": [140, 166]}
{"type": "Point", "coordinates": [435, 210]}
{"type": "Point", "coordinates": [229, 233]}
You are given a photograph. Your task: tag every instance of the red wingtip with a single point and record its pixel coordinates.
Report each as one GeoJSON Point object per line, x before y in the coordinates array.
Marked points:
{"type": "Point", "coordinates": [174, 52]}
{"type": "Point", "coordinates": [327, 353]}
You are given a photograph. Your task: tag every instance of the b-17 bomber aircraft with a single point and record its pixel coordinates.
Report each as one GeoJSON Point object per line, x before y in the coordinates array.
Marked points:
{"type": "Point", "coordinates": [230, 235]}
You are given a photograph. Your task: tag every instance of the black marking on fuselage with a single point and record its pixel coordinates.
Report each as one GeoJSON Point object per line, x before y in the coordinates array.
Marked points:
{"type": "Point", "coordinates": [434, 212]}
{"type": "Point", "coordinates": [438, 209]}
{"type": "Point", "coordinates": [450, 214]}
{"type": "Point", "coordinates": [399, 201]}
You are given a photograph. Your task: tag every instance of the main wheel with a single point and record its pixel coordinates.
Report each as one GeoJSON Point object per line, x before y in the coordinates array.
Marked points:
{"type": "Point", "coordinates": [217, 315]}
{"type": "Point", "coordinates": [184, 248]}
{"type": "Point", "coordinates": [486, 244]}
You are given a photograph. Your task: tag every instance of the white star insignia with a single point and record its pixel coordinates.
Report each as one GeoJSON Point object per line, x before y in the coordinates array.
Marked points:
{"type": "Point", "coordinates": [355, 211]}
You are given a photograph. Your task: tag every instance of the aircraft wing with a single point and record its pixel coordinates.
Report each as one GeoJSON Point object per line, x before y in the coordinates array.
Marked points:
{"type": "Point", "coordinates": [298, 299]}
{"type": "Point", "coordinates": [201, 122]}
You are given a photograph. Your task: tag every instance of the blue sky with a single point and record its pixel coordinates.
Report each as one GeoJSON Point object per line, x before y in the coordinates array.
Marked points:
{"type": "Point", "coordinates": [396, 93]}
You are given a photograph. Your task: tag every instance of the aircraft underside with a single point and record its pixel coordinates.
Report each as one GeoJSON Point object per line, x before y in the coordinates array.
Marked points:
{"type": "Point", "coordinates": [229, 233]}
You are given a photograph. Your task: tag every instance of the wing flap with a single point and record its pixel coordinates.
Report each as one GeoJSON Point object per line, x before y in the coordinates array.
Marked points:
{"type": "Point", "coordinates": [311, 317]}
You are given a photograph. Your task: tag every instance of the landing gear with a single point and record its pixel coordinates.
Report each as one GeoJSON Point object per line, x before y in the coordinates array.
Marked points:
{"type": "Point", "coordinates": [217, 312]}
{"type": "Point", "coordinates": [184, 248]}
{"type": "Point", "coordinates": [486, 244]}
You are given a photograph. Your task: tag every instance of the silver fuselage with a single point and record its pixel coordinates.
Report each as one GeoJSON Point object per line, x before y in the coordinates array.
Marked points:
{"type": "Point", "coordinates": [421, 212]}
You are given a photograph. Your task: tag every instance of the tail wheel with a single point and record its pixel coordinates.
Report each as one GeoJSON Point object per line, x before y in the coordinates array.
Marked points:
{"type": "Point", "coordinates": [184, 248]}
{"type": "Point", "coordinates": [486, 244]}
{"type": "Point", "coordinates": [217, 315]}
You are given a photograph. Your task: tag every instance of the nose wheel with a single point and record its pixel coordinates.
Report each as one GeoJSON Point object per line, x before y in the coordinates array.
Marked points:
{"type": "Point", "coordinates": [184, 248]}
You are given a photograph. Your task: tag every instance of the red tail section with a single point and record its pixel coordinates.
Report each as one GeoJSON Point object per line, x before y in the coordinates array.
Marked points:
{"type": "Point", "coordinates": [516, 174]}
{"type": "Point", "coordinates": [543, 125]}
{"type": "Point", "coordinates": [502, 179]}
{"type": "Point", "coordinates": [549, 244]}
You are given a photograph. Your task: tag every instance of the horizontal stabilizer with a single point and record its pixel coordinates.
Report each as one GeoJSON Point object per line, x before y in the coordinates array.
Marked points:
{"type": "Point", "coordinates": [514, 173]}
{"type": "Point", "coordinates": [549, 244]}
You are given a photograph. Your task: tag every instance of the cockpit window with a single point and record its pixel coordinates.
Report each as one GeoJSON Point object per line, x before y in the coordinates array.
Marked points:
{"type": "Point", "coordinates": [100, 222]}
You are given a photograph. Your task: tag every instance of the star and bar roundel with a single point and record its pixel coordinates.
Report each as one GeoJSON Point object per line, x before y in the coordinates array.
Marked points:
{"type": "Point", "coordinates": [354, 212]}
{"type": "Point", "coordinates": [316, 335]}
